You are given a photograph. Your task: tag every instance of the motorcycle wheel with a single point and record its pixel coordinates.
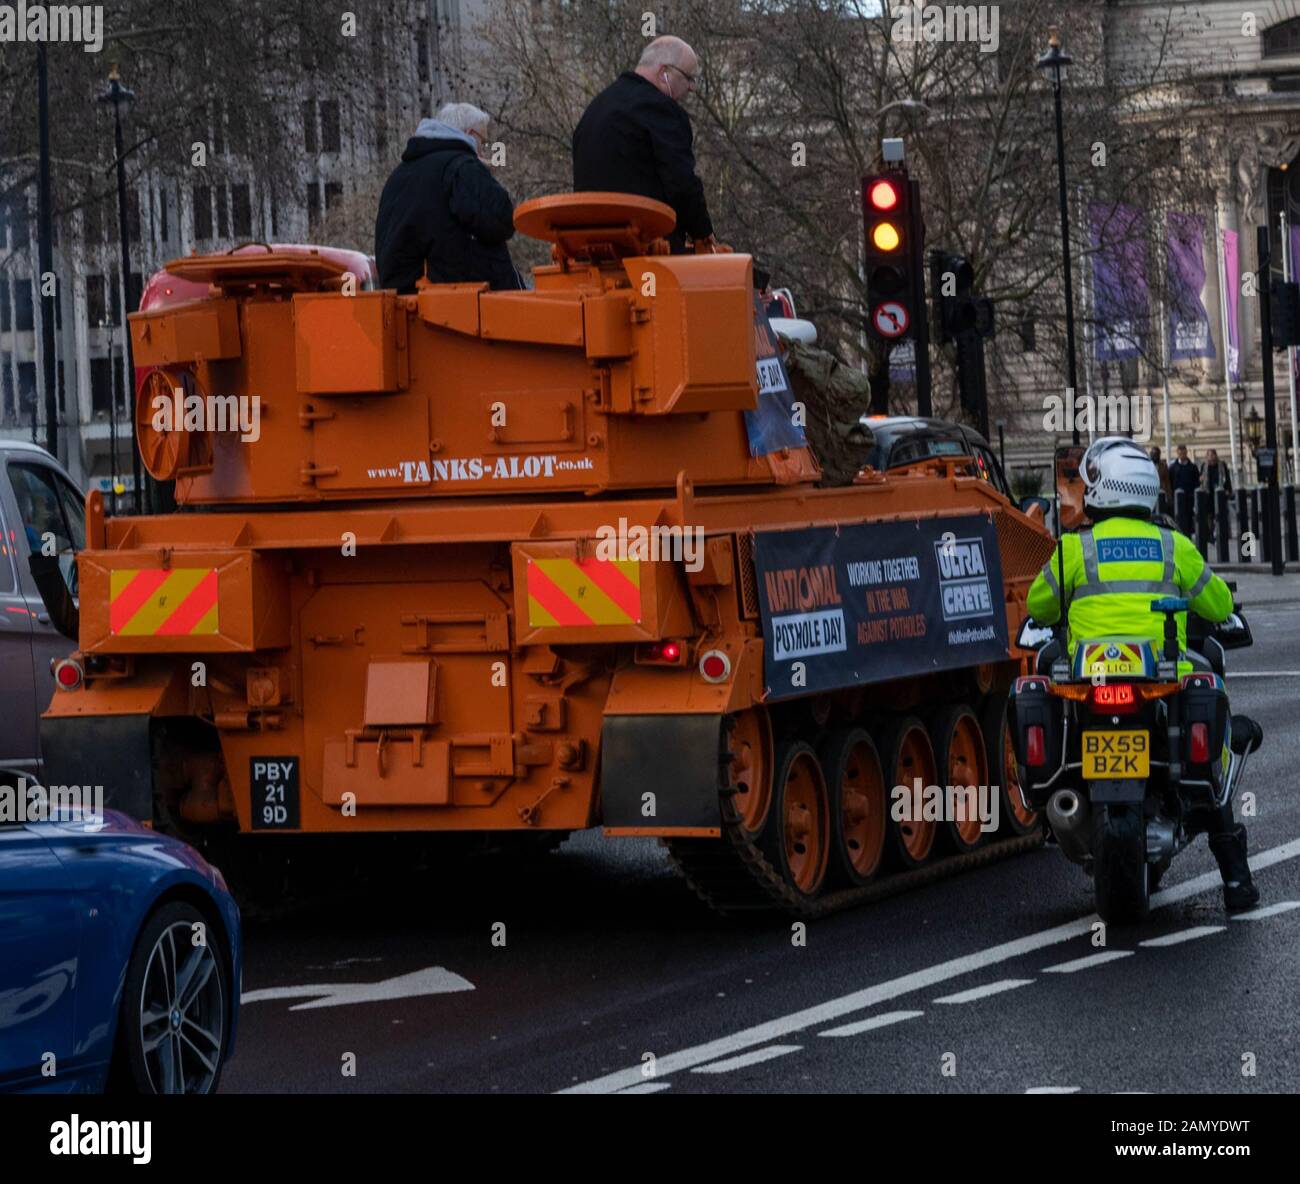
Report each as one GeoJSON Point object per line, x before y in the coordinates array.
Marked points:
{"type": "Point", "coordinates": [1120, 871]}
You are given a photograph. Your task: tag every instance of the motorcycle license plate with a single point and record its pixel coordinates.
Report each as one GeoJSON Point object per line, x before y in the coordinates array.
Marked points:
{"type": "Point", "coordinates": [1116, 754]}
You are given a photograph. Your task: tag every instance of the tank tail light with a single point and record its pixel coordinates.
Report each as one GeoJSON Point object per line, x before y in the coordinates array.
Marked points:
{"type": "Point", "coordinates": [68, 674]}
{"type": "Point", "coordinates": [715, 666]}
{"type": "Point", "coordinates": [662, 653]}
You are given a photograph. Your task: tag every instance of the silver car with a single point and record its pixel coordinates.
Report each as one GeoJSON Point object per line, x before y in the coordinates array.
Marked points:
{"type": "Point", "coordinates": [38, 501]}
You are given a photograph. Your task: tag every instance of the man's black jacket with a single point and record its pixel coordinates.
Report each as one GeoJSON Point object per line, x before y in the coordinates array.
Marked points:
{"type": "Point", "coordinates": [634, 139]}
{"type": "Point", "coordinates": [1184, 475]}
{"type": "Point", "coordinates": [442, 207]}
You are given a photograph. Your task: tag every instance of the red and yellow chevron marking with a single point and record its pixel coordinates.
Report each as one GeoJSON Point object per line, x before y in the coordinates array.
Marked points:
{"type": "Point", "coordinates": [153, 602]}
{"type": "Point", "coordinates": [564, 592]}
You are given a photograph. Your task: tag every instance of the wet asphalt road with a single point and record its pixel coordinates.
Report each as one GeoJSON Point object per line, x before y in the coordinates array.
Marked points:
{"type": "Point", "coordinates": [609, 974]}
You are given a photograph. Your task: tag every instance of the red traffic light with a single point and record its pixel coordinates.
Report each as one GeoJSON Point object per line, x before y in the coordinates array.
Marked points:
{"type": "Point", "coordinates": [882, 195]}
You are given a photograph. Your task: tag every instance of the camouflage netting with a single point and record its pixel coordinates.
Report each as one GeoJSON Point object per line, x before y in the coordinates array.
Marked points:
{"type": "Point", "coordinates": [835, 396]}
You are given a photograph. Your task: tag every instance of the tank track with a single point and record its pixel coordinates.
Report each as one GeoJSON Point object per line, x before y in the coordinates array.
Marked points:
{"type": "Point", "coordinates": [733, 876]}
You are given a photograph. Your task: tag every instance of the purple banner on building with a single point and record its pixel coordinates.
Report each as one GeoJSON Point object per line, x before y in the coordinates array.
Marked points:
{"type": "Point", "coordinates": [1189, 323]}
{"type": "Point", "coordinates": [1232, 288]}
{"type": "Point", "coordinates": [1119, 280]}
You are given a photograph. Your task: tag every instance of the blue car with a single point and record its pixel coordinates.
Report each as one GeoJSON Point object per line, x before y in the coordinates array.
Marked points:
{"type": "Point", "coordinates": [119, 959]}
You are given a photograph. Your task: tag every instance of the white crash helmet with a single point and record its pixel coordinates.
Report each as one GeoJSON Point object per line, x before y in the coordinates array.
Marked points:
{"type": "Point", "coordinates": [1117, 475]}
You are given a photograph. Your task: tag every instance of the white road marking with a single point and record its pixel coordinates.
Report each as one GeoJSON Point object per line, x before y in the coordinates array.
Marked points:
{"type": "Point", "coordinates": [870, 1025]}
{"type": "Point", "coordinates": [1236, 674]}
{"type": "Point", "coordinates": [1099, 959]}
{"type": "Point", "coordinates": [432, 980]}
{"type": "Point", "coordinates": [757, 1057]}
{"type": "Point", "coordinates": [1177, 939]}
{"type": "Point", "coordinates": [1272, 910]}
{"type": "Point", "coordinates": [1053, 1089]}
{"type": "Point", "coordinates": [918, 980]}
{"type": "Point", "coordinates": [1006, 984]}
{"type": "Point", "coordinates": [649, 1087]}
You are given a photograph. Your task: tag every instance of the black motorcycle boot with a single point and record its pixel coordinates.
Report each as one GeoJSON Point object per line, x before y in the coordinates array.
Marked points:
{"type": "Point", "coordinates": [1239, 891]}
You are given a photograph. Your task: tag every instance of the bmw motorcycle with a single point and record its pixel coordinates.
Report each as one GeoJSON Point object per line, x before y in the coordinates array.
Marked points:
{"type": "Point", "coordinates": [1125, 757]}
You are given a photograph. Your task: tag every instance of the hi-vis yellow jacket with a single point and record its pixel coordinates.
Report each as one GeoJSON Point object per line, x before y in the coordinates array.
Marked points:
{"type": "Point", "coordinates": [1116, 570]}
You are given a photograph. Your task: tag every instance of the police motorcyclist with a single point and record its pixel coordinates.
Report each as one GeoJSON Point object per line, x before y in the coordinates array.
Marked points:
{"type": "Point", "coordinates": [1114, 571]}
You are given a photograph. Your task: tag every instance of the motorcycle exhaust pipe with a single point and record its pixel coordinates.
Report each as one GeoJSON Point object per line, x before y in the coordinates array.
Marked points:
{"type": "Point", "coordinates": [1070, 816]}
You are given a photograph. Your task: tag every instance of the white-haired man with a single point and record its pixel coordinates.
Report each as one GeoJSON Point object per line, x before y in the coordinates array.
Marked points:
{"type": "Point", "coordinates": [635, 137]}
{"type": "Point", "coordinates": [442, 213]}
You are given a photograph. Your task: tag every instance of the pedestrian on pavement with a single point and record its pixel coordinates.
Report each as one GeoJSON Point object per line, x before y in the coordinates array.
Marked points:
{"type": "Point", "coordinates": [1162, 470]}
{"type": "Point", "coordinates": [442, 213]}
{"type": "Point", "coordinates": [1184, 476]}
{"type": "Point", "coordinates": [635, 137]}
{"type": "Point", "coordinates": [1215, 476]}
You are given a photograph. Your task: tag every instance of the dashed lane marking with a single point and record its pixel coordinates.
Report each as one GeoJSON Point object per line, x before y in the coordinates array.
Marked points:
{"type": "Point", "coordinates": [870, 1025]}
{"type": "Point", "coordinates": [1182, 935]}
{"type": "Point", "coordinates": [1006, 984]}
{"type": "Point", "coordinates": [1076, 964]}
{"type": "Point", "coordinates": [919, 980]}
{"type": "Point", "coordinates": [757, 1057]}
{"type": "Point", "coordinates": [648, 1087]}
{"type": "Point", "coordinates": [1272, 910]}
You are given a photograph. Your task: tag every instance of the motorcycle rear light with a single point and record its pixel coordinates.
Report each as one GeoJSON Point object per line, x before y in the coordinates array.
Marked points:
{"type": "Point", "coordinates": [1200, 744]}
{"type": "Point", "coordinates": [1035, 753]}
{"type": "Point", "coordinates": [68, 674]}
{"type": "Point", "coordinates": [715, 666]}
{"type": "Point", "coordinates": [1116, 697]}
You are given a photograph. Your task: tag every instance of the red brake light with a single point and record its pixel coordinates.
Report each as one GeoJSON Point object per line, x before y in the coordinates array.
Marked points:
{"type": "Point", "coordinates": [1200, 744]}
{"type": "Point", "coordinates": [1034, 747]}
{"type": "Point", "coordinates": [883, 196]}
{"type": "Point", "coordinates": [670, 651]}
{"type": "Point", "coordinates": [1117, 697]}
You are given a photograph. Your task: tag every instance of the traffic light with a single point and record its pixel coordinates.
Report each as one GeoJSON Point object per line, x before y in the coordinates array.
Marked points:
{"type": "Point", "coordinates": [1286, 314]}
{"type": "Point", "coordinates": [891, 232]}
{"type": "Point", "coordinates": [957, 309]}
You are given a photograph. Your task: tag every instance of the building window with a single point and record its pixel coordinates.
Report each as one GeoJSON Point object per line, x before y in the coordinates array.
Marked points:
{"type": "Point", "coordinates": [241, 211]}
{"type": "Point", "coordinates": [101, 382]}
{"type": "Point", "coordinates": [313, 205]}
{"type": "Point", "coordinates": [18, 223]}
{"type": "Point", "coordinates": [202, 212]}
{"type": "Point", "coordinates": [23, 318]}
{"type": "Point", "coordinates": [333, 194]}
{"type": "Point", "coordinates": [330, 135]}
{"type": "Point", "coordinates": [311, 145]}
{"type": "Point", "coordinates": [1282, 40]}
{"type": "Point", "coordinates": [163, 232]}
{"type": "Point", "coordinates": [5, 323]}
{"type": "Point", "coordinates": [92, 220]}
{"type": "Point", "coordinates": [223, 214]}
{"type": "Point", "coordinates": [134, 290]}
{"type": "Point", "coordinates": [114, 299]}
{"type": "Point", "coordinates": [422, 51]}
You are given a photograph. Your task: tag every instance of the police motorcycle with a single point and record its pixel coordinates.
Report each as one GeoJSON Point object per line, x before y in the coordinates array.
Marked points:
{"type": "Point", "coordinates": [1125, 757]}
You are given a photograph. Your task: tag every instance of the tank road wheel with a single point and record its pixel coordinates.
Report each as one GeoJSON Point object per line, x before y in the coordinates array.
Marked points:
{"type": "Point", "coordinates": [962, 761]}
{"type": "Point", "coordinates": [859, 805]}
{"type": "Point", "coordinates": [1016, 820]}
{"type": "Point", "coordinates": [797, 837]}
{"type": "Point", "coordinates": [909, 758]}
{"type": "Point", "coordinates": [747, 767]}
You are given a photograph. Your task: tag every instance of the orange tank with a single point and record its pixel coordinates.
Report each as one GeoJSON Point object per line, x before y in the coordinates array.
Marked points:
{"type": "Point", "coordinates": [538, 561]}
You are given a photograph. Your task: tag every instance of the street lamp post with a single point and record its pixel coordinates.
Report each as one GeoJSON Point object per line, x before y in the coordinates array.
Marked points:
{"type": "Point", "coordinates": [117, 94]}
{"type": "Point", "coordinates": [46, 252]}
{"type": "Point", "coordinates": [1053, 63]}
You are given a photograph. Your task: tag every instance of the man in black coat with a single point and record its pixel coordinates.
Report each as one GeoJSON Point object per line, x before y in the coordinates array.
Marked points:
{"type": "Point", "coordinates": [442, 212]}
{"type": "Point", "coordinates": [635, 137]}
